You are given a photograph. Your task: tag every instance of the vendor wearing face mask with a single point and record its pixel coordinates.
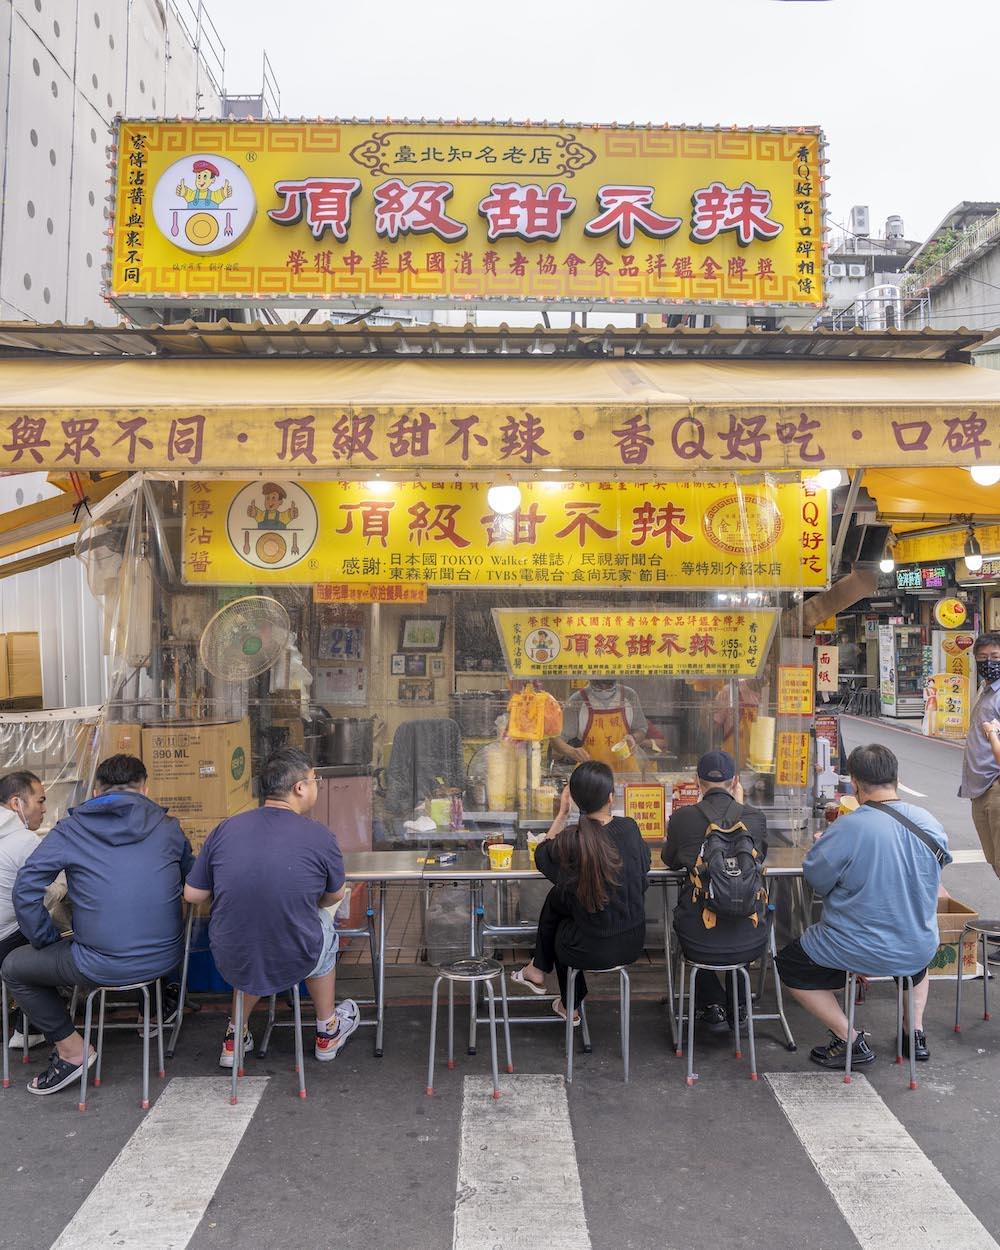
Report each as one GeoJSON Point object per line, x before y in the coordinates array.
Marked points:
{"type": "Point", "coordinates": [599, 717]}
{"type": "Point", "coordinates": [981, 763]}
{"type": "Point", "coordinates": [22, 809]}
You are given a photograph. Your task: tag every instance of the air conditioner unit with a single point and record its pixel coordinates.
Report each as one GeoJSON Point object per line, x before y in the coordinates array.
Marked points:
{"type": "Point", "coordinates": [839, 271]}
{"type": "Point", "coordinates": [856, 271]}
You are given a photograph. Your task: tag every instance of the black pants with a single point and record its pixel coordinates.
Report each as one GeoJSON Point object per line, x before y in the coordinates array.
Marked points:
{"type": "Point", "coordinates": [33, 977]}
{"type": "Point", "coordinates": [715, 989]}
{"type": "Point", "coordinates": [11, 943]}
{"type": "Point", "coordinates": [560, 945]}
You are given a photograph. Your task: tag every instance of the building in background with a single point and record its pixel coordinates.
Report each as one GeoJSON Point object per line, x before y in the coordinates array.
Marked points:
{"type": "Point", "coordinates": [863, 273]}
{"type": "Point", "coordinates": [952, 278]}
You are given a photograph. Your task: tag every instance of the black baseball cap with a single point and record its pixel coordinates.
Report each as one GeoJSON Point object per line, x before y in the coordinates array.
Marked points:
{"type": "Point", "coordinates": [716, 766]}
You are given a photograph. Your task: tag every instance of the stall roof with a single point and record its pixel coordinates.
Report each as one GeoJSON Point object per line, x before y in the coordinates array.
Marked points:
{"type": "Point", "coordinates": [191, 339]}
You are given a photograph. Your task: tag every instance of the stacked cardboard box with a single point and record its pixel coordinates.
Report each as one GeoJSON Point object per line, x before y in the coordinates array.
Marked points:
{"type": "Point", "coordinates": [20, 672]}
{"type": "Point", "coordinates": [199, 770]}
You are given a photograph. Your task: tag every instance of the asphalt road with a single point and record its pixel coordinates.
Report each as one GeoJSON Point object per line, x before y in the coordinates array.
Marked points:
{"type": "Point", "coordinates": [795, 1159]}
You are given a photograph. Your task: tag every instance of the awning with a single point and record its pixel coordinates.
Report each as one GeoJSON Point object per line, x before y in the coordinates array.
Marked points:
{"type": "Point", "coordinates": [355, 417]}
{"type": "Point", "coordinates": [919, 504]}
{"type": "Point", "coordinates": [50, 519]}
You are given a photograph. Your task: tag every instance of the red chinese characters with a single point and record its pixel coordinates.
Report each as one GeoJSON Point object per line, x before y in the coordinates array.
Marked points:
{"type": "Point", "coordinates": [525, 211]}
{"type": "Point", "coordinates": [415, 208]}
{"type": "Point", "coordinates": [324, 202]}
{"type": "Point", "coordinates": [744, 210]}
{"type": "Point", "coordinates": [626, 209]}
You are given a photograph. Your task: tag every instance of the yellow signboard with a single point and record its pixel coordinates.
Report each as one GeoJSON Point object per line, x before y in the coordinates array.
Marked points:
{"type": "Point", "coordinates": [664, 535]}
{"type": "Point", "coordinates": [646, 804]}
{"type": "Point", "coordinates": [552, 642]}
{"type": "Point", "coordinates": [946, 706]}
{"type": "Point", "coordinates": [792, 766]}
{"type": "Point", "coordinates": [368, 592]}
{"type": "Point", "coordinates": [795, 690]}
{"type": "Point", "coordinates": [464, 214]}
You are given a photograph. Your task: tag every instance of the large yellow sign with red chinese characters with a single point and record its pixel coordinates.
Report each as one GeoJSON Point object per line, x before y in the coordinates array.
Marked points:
{"type": "Point", "coordinates": [677, 535]}
{"type": "Point", "coordinates": [554, 642]}
{"type": "Point", "coordinates": [230, 212]}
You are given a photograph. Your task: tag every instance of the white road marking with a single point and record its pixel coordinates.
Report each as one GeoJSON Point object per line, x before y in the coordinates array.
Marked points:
{"type": "Point", "coordinates": [971, 856]}
{"type": "Point", "coordinates": [906, 790]}
{"type": "Point", "coordinates": [154, 1194]}
{"type": "Point", "coordinates": [518, 1183]}
{"type": "Point", "coordinates": [887, 1189]}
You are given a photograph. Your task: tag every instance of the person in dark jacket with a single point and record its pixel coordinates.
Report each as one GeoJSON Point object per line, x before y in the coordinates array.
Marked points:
{"type": "Point", "coordinates": [595, 916]}
{"type": "Point", "coordinates": [730, 940]}
{"type": "Point", "coordinates": [125, 861]}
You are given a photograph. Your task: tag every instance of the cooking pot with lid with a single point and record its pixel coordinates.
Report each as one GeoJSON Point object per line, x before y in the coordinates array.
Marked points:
{"type": "Point", "coordinates": [348, 740]}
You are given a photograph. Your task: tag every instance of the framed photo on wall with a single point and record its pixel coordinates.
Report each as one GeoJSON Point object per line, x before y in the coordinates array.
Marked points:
{"type": "Point", "coordinates": [416, 690]}
{"type": "Point", "coordinates": [437, 665]}
{"type": "Point", "coordinates": [422, 633]}
{"type": "Point", "coordinates": [399, 666]}
{"type": "Point", "coordinates": [415, 665]}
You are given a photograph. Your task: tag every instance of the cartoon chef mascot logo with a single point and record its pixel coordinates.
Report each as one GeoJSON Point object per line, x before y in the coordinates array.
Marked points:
{"type": "Point", "coordinates": [204, 203]}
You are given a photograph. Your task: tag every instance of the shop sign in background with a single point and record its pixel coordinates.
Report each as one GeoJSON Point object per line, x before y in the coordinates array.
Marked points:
{"type": "Point", "coordinates": [677, 535]}
{"type": "Point", "coordinates": [552, 642]}
{"type": "Point", "coordinates": [460, 213]}
{"type": "Point", "coordinates": [646, 804]}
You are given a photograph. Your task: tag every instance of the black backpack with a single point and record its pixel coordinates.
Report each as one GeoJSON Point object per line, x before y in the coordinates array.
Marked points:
{"type": "Point", "coordinates": [728, 875]}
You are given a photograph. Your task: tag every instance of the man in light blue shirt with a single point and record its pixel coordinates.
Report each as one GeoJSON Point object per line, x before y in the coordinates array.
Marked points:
{"type": "Point", "coordinates": [879, 885]}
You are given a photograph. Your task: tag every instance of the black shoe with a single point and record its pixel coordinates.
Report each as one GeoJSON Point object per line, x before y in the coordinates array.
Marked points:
{"type": "Point", "coordinates": [920, 1051]}
{"type": "Point", "coordinates": [994, 956]}
{"type": "Point", "coordinates": [712, 1019]}
{"type": "Point", "coordinates": [743, 1019]}
{"type": "Point", "coordinates": [834, 1053]}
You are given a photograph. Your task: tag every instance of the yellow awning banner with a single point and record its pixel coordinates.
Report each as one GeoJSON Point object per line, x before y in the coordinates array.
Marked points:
{"type": "Point", "coordinates": [629, 416]}
{"type": "Point", "coordinates": [49, 519]}
{"type": "Point", "coordinates": [922, 498]}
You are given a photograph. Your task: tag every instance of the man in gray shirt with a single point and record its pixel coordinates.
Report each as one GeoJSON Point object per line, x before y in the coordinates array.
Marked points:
{"type": "Point", "coordinates": [980, 766]}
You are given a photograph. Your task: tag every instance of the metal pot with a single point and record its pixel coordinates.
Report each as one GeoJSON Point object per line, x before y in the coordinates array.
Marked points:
{"type": "Point", "coordinates": [476, 713]}
{"type": "Point", "coordinates": [348, 740]}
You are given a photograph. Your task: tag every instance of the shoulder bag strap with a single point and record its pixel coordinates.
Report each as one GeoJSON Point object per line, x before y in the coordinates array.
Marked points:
{"type": "Point", "coordinates": [922, 834]}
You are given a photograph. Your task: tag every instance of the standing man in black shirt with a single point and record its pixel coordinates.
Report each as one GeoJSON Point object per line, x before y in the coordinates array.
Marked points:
{"type": "Point", "coordinates": [730, 940]}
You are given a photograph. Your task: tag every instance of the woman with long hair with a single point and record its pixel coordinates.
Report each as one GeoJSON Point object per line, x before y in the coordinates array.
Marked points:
{"type": "Point", "coordinates": [595, 915]}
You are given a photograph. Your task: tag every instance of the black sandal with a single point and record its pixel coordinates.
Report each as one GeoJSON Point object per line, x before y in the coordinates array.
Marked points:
{"type": "Point", "coordinates": [59, 1074]}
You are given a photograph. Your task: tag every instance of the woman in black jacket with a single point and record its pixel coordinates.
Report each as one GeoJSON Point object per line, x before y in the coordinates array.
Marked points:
{"type": "Point", "coordinates": [595, 916]}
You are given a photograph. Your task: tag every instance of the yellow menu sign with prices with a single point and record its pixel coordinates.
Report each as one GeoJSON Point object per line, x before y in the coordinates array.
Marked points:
{"type": "Point", "coordinates": [676, 535]}
{"type": "Point", "coordinates": [466, 214]}
{"type": "Point", "coordinates": [550, 642]}
{"type": "Point", "coordinates": [792, 766]}
{"type": "Point", "coordinates": [646, 804]}
{"type": "Point", "coordinates": [795, 690]}
{"type": "Point", "coordinates": [947, 705]}
{"type": "Point", "coordinates": [368, 592]}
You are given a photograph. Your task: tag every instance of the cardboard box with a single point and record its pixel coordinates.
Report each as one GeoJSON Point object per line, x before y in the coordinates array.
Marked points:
{"type": "Point", "coordinates": [952, 917]}
{"type": "Point", "coordinates": [198, 830]}
{"type": "Point", "coordinates": [24, 666]}
{"type": "Point", "coordinates": [199, 770]}
{"type": "Point", "coordinates": [4, 678]}
{"type": "Point", "coordinates": [121, 739]}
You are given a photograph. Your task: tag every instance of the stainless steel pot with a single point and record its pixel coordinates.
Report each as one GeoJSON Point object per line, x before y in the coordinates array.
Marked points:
{"type": "Point", "coordinates": [348, 740]}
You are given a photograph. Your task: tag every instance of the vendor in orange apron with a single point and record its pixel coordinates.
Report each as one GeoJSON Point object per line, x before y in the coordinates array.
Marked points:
{"type": "Point", "coordinates": [597, 719]}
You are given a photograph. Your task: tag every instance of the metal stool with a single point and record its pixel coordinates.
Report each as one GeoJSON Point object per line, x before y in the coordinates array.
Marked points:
{"type": "Point", "coordinates": [734, 970]}
{"type": "Point", "coordinates": [985, 930]}
{"type": "Point", "coordinates": [902, 983]}
{"type": "Point", "coordinates": [624, 1012]}
{"type": "Point", "coordinates": [472, 972]}
{"type": "Point", "coordinates": [103, 991]}
{"type": "Point", "coordinates": [769, 959]}
{"type": "Point", "coordinates": [238, 1055]}
{"type": "Point", "coordinates": [25, 1058]}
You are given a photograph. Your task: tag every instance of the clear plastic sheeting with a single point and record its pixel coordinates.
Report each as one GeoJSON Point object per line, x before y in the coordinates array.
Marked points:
{"type": "Point", "coordinates": [60, 747]}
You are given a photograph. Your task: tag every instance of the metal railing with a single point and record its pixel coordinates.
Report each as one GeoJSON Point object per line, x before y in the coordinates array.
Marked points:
{"type": "Point", "coordinates": [970, 242]}
{"type": "Point", "coordinates": [204, 39]}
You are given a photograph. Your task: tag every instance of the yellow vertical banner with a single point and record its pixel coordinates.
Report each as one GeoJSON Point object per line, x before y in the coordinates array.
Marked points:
{"type": "Point", "coordinates": [792, 767]}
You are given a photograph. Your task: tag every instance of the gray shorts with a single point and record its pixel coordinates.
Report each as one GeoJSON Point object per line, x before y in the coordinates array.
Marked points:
{"type": "Point", "coordinates": [331, 944]}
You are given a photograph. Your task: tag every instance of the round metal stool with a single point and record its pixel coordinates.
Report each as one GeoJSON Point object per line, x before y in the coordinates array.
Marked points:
{"type": "Point", "coordinates": [478, 971]}
{"type": "Point", "coordinates": [735, 971]}
{"type": "Point", "coordinates": [624, 1011]}
{"type": "Point", "coordinates": [103, 991]}
{"type": "Point", "coordinates": [5, 1009]}
{"type": "Point", "coordinates": [903, 983]}
{"type": "Point", "coordinates": [985, 930]}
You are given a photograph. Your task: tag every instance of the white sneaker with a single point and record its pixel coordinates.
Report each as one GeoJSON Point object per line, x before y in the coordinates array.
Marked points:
{"type": "Point", "coordinates": [229, 1048]}
{"type": "Point", "coordinates": [17, 1040]}
{"type": "Point", "coordinates": [328, 1045]}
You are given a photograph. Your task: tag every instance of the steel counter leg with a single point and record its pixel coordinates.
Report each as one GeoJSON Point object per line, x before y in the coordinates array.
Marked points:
{"type": "Point", "coordinates": [667, 953]}
{"type": "Point", "coordinates": [380, 980]}
{"type": "Point", "coordinates": [184, 979]}
{"type": "Point", "coordinates": [475, 911]}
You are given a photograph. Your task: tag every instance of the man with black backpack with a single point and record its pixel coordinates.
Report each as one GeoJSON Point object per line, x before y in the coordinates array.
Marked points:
{"type": "Point", "coordinates": [720, 916]}
{"type": "Point", "coordinates": [877, 871]}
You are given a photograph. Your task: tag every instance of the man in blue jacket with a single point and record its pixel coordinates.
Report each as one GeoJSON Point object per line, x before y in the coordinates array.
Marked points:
{"type": "Point", "coordinates": [125, 861]}
{"type": "Point", "coordinates": [878, 879]}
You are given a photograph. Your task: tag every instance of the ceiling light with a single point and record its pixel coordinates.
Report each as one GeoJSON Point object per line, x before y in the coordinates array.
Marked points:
{"type": "Point", "coordinates": [828, 479]}
{"type": "Point", "coordinates": [504, 498]}
{"type": "Point", "coordinates": [985, 474]}
{"type": "Point", "coordinates": [973, 552]}
{"type": "Point", "coordinates": [379, 487]}
{"type": "Point", "coordinates": [887, 563]}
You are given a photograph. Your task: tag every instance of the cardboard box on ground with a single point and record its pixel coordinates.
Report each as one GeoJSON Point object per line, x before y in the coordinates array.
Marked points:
{"type": "Point", "coordinates": [952, 917]}
{"type": "Point", "coordinates": [20, 672]}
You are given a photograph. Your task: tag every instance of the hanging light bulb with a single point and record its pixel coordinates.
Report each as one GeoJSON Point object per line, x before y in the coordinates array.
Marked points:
{"type": "Point", "coordinates": [887, 563]}
{"type": "Point", "coordinates": [985, 474]}
{"type": "Point", "coordinates": [379, 486]}
{"type": "Point", "coordinates": [504, 498]}
{"type": "Point", "coordinates": [828, 479]}
{"type": "Point", "coordinates": [973, 552]}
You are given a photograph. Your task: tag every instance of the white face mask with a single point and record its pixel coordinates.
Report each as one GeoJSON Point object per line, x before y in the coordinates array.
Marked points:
{"type": "Point", "coordinates": [605, 698]}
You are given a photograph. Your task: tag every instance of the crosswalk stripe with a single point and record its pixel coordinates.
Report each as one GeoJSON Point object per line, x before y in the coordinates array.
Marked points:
{"type": "Point", "coordinates": [518, 1183]}
{"type": "Point", "coordinates": [887, 1189]}
{"type": "Point", "coordinates": [917, 794]}
{"type": "Point", "coordinates": [154, 1194]}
